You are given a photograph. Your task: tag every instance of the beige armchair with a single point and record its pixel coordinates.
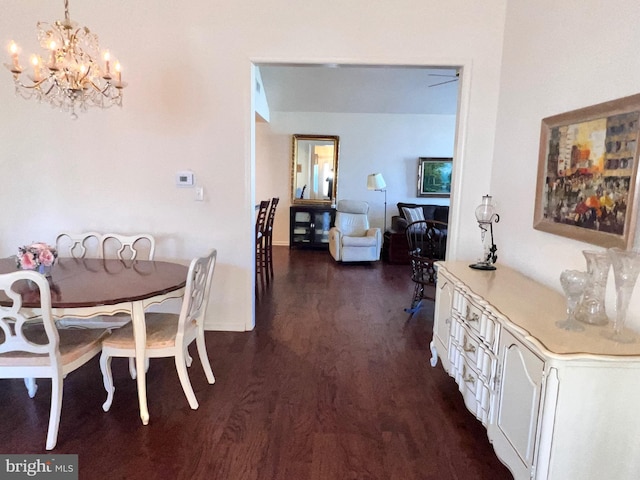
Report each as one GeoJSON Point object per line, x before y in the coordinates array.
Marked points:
{"type": "Point", "coordinates": [351, 239]}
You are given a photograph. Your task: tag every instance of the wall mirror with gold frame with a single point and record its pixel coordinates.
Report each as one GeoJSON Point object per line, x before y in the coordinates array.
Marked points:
{"type": "Point", "coordinates": [314, 169]}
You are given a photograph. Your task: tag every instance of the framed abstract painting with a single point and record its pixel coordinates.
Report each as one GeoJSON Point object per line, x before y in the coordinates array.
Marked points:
{"type": "Point", "coordinates": [434, 177]}
{"type": "Point", "coordinates": [588, 173]}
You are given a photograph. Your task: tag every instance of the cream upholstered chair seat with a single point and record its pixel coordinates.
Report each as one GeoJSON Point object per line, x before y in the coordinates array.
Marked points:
{"type": "Point", "coordinates": [74, 344]}
{"type": "Point", "coordinates": [32, 350]}
{"type": "Point", "coordinates": [162, 330]}
{"type": "Point", "coordinates": [168, 334]}
{"type": "Point", "coordinates": [351, 239]}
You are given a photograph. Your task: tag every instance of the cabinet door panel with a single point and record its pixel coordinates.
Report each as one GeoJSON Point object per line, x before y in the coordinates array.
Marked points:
{"type": "Point", "coordinates": [514, 431]}
{"type": "Point", "coordinates": [442, 322]}
{"type": "Point", "coordinates": [322, 223]}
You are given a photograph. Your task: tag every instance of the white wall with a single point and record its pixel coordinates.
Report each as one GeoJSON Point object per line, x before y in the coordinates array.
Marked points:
{"type": "Point", "coordinates": [369, 143]}
{"type": "Point", "coordinates": [558, 56]}
{"type": "Point", "coordinates": [273, 176]}
{"type": "Point", "coordinates": [189, 105]}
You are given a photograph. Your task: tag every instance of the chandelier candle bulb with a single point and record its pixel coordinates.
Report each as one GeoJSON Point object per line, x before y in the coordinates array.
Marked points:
{"type": "Point", "coordinates": [35, 61]}
{"type": "Point", "coordinates": [107, 69]}
{"type": "Point", "coordinates": [13, 50]}
{"type": "Point", "coordinates": [52, 59]}
{"type": "Point", "coordinates": [119, 72]}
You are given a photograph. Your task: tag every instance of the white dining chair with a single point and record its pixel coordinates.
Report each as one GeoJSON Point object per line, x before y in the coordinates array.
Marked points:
{"type": "Point", "coordinates": [127, 247]}
{"type": "Point", "coordinates": [97, 245]}
{"type": "Point", "coordinates": [38, 349]}
{"type": "Point", "coordinates": [110, 246]}
{"type": "Point", "coordinates": [169, 334]}
{"type": "Point", "coordinates": [78, 245]}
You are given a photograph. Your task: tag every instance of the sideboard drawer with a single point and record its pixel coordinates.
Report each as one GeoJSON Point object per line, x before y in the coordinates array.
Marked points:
{"type": "Point", "coordinates": [476, 393]}
{"type": "Point", "coordinates": [479, 320]}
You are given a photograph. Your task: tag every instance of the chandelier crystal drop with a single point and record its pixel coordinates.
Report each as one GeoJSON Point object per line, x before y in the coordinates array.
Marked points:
{"type": "Point", "coordinates": [72, 75]}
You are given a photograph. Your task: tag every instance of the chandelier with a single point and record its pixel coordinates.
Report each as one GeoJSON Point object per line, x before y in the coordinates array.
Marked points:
{"type": "Point", "coordinates": [69, 76]}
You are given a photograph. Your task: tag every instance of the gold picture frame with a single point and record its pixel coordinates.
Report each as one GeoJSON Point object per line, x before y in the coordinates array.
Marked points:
{"type": "Point", "coordinates": [588, 173]}
{"type": "Point", "coordinates": [434, 177]}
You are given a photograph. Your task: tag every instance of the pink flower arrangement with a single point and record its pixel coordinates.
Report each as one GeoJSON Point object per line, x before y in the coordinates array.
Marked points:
{"type": "Point", "coordinates": [31, 257]}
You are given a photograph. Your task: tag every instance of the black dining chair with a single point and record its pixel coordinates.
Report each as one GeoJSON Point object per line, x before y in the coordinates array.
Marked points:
{"type": "Point", "coordinates": [268, 238]}
{"type": "Point", "coordinates": [427, 244]}
{"type": "Point", "coordinates": [261, 218]}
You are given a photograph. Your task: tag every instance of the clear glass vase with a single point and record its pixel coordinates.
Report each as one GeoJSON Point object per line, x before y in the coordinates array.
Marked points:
{"type": "Point", "coordinates": [573, 284]}
{"type": "Point", "coordinates": [626, 267]}
{"type": "Point", "coordinates": [591, 309]}
{"type": "Point", "coordinates": [45, 270]}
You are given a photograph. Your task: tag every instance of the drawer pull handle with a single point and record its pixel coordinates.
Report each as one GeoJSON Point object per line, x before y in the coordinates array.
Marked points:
{"type": "Point", "coordinates": [467, 378]}
{"type": "Point", "coordinates": [471, 317]}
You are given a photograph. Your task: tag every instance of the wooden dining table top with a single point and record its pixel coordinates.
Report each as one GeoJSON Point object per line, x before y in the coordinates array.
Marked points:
{"type": "Point", "coordinates": [90, 282]}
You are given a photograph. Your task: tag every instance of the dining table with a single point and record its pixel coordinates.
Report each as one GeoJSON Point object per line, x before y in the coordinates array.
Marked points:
{"type": "Point", "coordinates": [90, 287]}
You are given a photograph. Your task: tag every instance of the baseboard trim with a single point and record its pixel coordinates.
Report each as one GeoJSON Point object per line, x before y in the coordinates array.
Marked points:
{"type": "Point", "coordinates": [224, 327]}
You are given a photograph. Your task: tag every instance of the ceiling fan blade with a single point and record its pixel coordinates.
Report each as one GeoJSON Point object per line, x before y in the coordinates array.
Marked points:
{"type": "Point", "coordinates": [442, 83]}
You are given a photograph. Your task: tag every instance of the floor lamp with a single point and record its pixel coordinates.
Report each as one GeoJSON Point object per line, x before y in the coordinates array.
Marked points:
{"type": "Point", "coordinates": [376, 182]}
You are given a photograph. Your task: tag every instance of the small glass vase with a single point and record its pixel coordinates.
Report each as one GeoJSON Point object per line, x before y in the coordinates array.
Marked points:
{"type": "Point", "coordinates": [573, 284]}
{"type": "Point", "coordinates": [45, 270]}
{"type": "Point", "coordinates": [626, 267]}
{"type": "Point", "coordinates": [592, 306]}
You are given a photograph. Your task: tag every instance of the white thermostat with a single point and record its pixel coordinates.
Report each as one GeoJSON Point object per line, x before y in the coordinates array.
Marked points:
{"type": "Point", "coordinates": [184, 179]}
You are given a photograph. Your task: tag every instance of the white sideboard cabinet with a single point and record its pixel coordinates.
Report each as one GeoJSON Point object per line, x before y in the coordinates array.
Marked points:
{"type": "Point", "coordinates": [557, 405]}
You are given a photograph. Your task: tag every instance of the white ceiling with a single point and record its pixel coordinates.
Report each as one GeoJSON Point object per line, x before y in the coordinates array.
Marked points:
{"type": "Point", "coordinates": [359, 89]}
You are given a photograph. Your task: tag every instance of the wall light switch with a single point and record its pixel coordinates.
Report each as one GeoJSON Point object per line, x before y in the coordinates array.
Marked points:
{"type": "Point", "coordinates": [200, 194]}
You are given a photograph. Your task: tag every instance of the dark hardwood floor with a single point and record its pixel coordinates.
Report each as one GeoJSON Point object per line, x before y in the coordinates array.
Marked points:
{"type": "Point", "coordinates": [333, 383]}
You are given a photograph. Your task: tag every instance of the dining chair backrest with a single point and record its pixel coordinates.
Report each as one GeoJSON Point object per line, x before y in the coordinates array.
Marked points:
{"type": "Point", "coordinates": [271, 216]}
{"type": "Point", "coordinates": [127, 247]}
{"type": "Point", "coordinates": [78, 245]}
{"type": "Point", "coordinates": [14, 323]}
{"type": "Point", "coordinates": [196, 294]}
{"type": "Point", "coordinates": [261, 218]}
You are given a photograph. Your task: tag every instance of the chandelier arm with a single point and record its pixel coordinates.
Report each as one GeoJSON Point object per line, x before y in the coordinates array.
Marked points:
{"type": "Point", "coordinates": [50, 88]}
{"type": "Point", "coordinates": [34, 86]}
{"type": "Point", "coordinates": [86, 74]}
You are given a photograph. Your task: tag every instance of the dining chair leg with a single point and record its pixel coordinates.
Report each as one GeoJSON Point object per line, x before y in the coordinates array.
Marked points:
{"type": "Point", "coordinates": [183, 375]}
{"type": "Point", "coordinates": [132, 366]}
{"type": "Point", "coordinates": [261, 258]}
{"type": "Point", "coordinates": [187, 357]}
{"type": "Point", "coordinates": [107, 379]}
{"type": "Point", "coordinates": [32, 386]}
{"type": "Point", "coordinates": [204, 358]}
{"type": "Point", "coordinates": [268, 269]}
{"type": "Point", "coordinates": [56, 410]}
